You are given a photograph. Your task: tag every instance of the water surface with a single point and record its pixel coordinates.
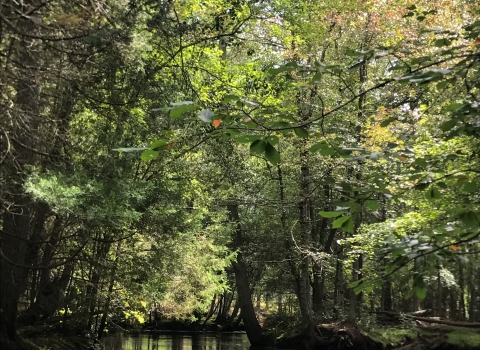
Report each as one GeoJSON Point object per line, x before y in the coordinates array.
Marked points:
{"type": "Point", "coordinates": [177, 341]}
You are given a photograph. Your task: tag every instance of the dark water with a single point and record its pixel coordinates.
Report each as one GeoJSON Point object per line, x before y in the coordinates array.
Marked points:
{"type": "Point", "coordinates": [177, 341]}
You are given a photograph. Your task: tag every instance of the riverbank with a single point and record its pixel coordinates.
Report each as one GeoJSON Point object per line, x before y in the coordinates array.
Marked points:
{"type": "Point", "coordinates": [333, 336]}
{"type": "Point", "coordinates": [51, 338]}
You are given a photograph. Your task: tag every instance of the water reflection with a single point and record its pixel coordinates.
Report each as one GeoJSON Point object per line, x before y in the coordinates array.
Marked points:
{"type": "Point", "coordinates": [177, 341]}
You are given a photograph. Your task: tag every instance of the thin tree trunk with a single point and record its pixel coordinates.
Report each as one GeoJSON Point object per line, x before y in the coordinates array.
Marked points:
{"type": "Point", "coordinates": [338, 282]}
{"type": "Point", "coordinates": [106, 306]}
{"type": "Point", "coordinates": [461, 300]}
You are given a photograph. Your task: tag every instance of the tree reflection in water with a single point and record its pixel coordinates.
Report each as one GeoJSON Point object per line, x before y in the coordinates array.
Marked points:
{"type": "Point", "coordinates": [177, 341]}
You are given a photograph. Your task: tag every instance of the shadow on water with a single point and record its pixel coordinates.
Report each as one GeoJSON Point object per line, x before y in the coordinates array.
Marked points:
{"type": "Point", "coordinates": [177, 341]}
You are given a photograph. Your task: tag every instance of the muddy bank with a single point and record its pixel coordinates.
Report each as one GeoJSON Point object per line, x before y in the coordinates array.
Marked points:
{"type": "Point", "coordinates": [333, 336]}
{"type": "Point", "coordinates": [343, 336]}
{"type": "Point", "coordinates": [52, 338]}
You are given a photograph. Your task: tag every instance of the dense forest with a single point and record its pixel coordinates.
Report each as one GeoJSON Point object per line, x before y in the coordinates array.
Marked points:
{"type": "Point", "coordinates": [273, 165]}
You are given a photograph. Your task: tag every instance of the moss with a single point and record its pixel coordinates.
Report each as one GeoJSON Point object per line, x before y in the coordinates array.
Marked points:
{"type": "Point", "coordinates": [391, 336]}
{"type": "Point", "coordinates": [464, 338]}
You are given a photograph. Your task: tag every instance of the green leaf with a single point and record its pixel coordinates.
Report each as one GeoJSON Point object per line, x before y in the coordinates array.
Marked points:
{"type": "Point", "coordinates": [340, 221]}
{"type": "Point", "coordinates": [421, 186]}
{"type": "Point", "coordinates": [330, 214]}
{"type": "Point", "coordinates": [371, 204]}
{"type": "Point", "coordinates": [247, 138]}
{"type": "Point", "coordinates": [470, 187]}
{"type": "Point", "coordinates": [356, 66]}
{"type": "Point", "coordinates": [318, 146]}
{"type": "Point", "coordinates": [448, 125]}
{"type": "Point", "coordinates": [149, 154]}
{"type": "Point", "coordinates": [442, 42]}
{"type": "Point", "coordinates": [468, 234]}
{"type": "Point", "coordinates": [232, 132]}
{"type": "Point", "coordinates": [420, 292]}
{"type": "Point", "coordinates": [442, 184]}
{"type": "Point", "coordinates": [316, 79]}
{"type": "Point", "coordinates": [442, 84]}
{"type": "Point", "coordinates": [230, 98]}
{"type": "Point", "coordinates": [301, 132]}
{"type": "Point", "coordinates": [158, 144]}
{"type": "Point", "coordinates": [470, 218]}
{"type": "Point", "coordinates": [272, 154]}
{"type": "Point", "coordinates": [348, 226]}
{"type": "Point", "coordinates": [329, 180]}
{"type": "Point", "coordinates": [258, 147]}
{"type": "Point", "coordinates": [387, 122]}
{"type": "Point", "coordinates": [433, 193]}
{"type": "Point", "coordinates": [454, 106]}
{"type": "Point", "coordinates": [273, 140]}
{"type": "Point", "coordinates": [283, 68]}
{"type": "Point", "coordinates": [278, 124]}
{"type": "Point", "coordinates": [328, 151]}
{"type": "Point", "coordinates": [368, 289]}
{"type": "Point", "coordinates": [178, 108]}
{"type": "Point", "coordinates": [354, 284]}
{"type": "Point", "coordinates": [352, 53]}
{"type": "Point", "coordinates": [421, 162]}
{"type": "Point", "coordinates": [206, 115]}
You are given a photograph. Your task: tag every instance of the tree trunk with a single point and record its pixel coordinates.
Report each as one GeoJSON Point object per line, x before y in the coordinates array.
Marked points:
{"type": "Point", "coordinates": [318, 289]}
{"type": "Point", "coordinates": [252, 327]}
{"type": "Point", "coordinates": [21, 129]}
{"type": "Point", "coordinates": [353, 306]}
{"type": "Point", "coordinates": [236, 308]}
{"type": "Point", "coordinates": [304, 288]}
{"type": "Point", "coordinates": [415, 299]}
{"type": "Point", "coordinates": [387, 295]}
{"type": "Point", "coordinates": [338, 282]}
{"type": "Point", "coordinates": [474, 293]}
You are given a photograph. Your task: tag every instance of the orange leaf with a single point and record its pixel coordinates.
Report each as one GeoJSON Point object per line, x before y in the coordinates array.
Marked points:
{"type": "Point", "coordinates": [217, 122]}
{"type": "Point", "coordinates": [454, 247]}
{"type": "Point", "coordinates": [170, 145]}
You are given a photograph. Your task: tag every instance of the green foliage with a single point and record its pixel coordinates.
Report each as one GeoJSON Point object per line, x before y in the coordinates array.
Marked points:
{"type": "Point", "coordinates": [365, 116]}
{"type": "Point", "coordinates": [464, 338]}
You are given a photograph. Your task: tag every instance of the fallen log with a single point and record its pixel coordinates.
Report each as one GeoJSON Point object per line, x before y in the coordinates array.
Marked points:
{"type": "Point", "coordinates": [446, 322]}
{"type": "Point", "coordinates": [430, 320]}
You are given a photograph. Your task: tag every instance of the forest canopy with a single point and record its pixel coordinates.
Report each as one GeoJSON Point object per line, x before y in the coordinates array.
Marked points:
{"type": "Point", "coordinates": [237, 160]}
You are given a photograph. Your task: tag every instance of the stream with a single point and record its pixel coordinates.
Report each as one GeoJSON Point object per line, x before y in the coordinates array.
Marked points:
{"type": "Point", "coordinates": [177, 341]}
